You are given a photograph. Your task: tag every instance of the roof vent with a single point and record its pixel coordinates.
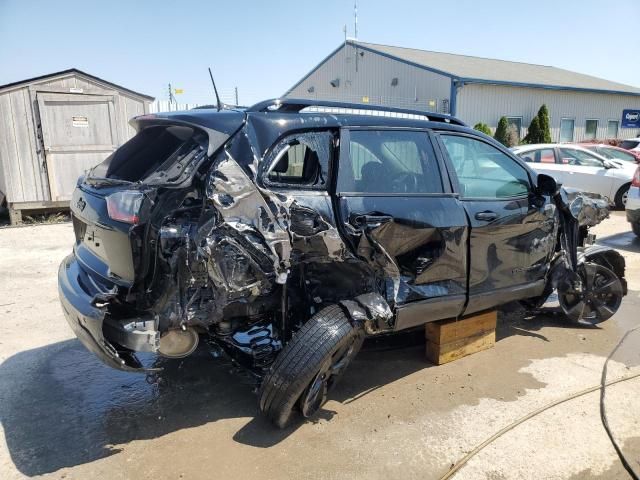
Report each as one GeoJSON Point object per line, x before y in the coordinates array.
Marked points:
{"type": "Point", "coordinates": [335, 82]}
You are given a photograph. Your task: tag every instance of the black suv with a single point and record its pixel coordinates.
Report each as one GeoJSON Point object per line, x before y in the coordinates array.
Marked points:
{"type": "Point", "coordinates": [286, 233]}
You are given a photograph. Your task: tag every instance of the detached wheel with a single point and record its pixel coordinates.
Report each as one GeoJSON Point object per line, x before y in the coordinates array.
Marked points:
{"type": "Point", "coordinates": [310, 366]}
{"type": "Point", "coordinates": [621, 196]}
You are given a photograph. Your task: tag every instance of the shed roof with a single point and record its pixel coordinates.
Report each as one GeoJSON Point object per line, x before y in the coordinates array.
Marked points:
{"type": "Point", "coordinates": [471, 69]}
{"type": "Point", "coordinates": [73, 71]}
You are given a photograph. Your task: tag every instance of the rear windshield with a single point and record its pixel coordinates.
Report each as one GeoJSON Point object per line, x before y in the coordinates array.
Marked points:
{"type": "Point", "coordinates": [155, 155]}
{"type": "Point", "coordinates": [627, 144]}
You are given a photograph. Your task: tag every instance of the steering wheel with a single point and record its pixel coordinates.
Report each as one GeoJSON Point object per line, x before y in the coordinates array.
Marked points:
{"type": "Point", "coordinates": [404, 182]}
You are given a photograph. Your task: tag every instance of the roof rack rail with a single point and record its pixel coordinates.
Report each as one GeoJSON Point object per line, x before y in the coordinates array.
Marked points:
{"type": "Point", "coordinates": [295, 105]}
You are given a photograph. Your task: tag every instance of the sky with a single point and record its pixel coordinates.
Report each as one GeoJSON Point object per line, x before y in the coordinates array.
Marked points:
{"type": "Point", "coordinates": [264, 47]}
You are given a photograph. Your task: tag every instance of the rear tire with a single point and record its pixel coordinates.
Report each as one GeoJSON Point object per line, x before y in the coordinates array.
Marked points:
{"type": "Point", "coordinates": [621, 196]}
{"type": "Point", "coordinates": [636, 229]}
{"type": "Point", "coordinates": [309, 366]}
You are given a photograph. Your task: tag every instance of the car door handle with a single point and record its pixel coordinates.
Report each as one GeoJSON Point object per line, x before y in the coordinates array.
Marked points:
{"type": "Point", "coordinates": [486, 216]}
{"type": "Point", "coordinates": [360, 220]}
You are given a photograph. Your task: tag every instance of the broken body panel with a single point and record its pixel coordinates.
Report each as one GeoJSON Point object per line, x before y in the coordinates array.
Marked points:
{"type": "Point", "coordinates": [226, 241]}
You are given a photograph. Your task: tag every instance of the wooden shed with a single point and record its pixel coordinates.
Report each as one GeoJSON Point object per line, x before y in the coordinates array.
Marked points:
{"type": "Point", "coordinates": [53, 128]}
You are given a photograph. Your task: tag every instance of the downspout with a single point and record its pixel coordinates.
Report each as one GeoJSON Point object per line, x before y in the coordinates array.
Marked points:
{"type": "Point", "coordinates": [453, 96]}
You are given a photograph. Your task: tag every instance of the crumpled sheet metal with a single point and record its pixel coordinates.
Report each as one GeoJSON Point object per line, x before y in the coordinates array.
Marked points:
{"type": "Point", "coordinates": [588, 208]}
{"type": "Point", "coordinates": [241, 205]}
{"type": "Point", "coordinates": [372, 310]}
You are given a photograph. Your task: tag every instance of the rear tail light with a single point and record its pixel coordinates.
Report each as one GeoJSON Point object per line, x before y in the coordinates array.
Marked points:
{"type": "Point", "coordinates": [125, 206]}
{"type": "Point", "coordinates": [636, 178]}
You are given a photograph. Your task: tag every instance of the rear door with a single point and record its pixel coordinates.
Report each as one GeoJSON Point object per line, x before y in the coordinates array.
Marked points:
{"type": "Point", "coordinates": [401, 215]}
{"type": "Point", "coordinates": [511, 240]}
{"type": "Point", "coordinates": [79, 131]}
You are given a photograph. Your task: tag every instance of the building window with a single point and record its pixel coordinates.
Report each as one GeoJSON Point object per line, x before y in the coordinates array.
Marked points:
{"type": "Point", "coordinates": [612, 129]}
{"type": "Point", "coordinates": [516, 122]}
{"type": "Point", "coordinates": [591, 129]}
{"type": "Point", "coordinates": [566, 129]}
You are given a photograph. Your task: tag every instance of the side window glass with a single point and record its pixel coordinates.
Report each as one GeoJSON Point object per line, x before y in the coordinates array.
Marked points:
{"type": "Point", "coordinates": [300, 160]}
{"type": "Point", "coordinates": [544, 155]}
{"type": "Point", "coordinates": [483, 171]}
{"type": "Point", "coordinates": [389, 161]}
{"type": "Point", "coordinates": [578, 157]}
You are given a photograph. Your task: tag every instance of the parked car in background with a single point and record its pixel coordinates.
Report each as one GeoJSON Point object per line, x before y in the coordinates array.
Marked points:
{"type": "Point", "coordinates": [577, 167]}
{"type": "Point", "coordinates": [613, 153]}
{"type": "Point", "coordinates": [631, 144]}
{"type": "Point", "coordinates": [633, 203]}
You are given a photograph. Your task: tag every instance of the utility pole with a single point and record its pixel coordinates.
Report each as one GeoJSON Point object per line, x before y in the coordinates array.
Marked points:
{"type": "Point", "coordinates": [237, 103]}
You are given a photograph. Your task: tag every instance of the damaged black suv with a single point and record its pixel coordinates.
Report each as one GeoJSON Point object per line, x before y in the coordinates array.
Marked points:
{"type": "Point", "coordinates": [286, 233]}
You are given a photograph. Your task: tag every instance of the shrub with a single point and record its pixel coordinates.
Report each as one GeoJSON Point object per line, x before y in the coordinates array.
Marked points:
{"type": "Point", "coordinates": [512, 136]}
{"type": "Point", "coordinates": [534, 134]}
{"type": "Point", "coordinates": [544, 124]}
{"type": "Point", "coordinates": [482, 127]}
{"type": "Point", "coordinates": [502, 131]}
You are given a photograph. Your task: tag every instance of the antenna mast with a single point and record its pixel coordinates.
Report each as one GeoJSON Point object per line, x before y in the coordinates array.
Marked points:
{"type": "Point", "coordinates": [355, 19]}
{"type": "Point", "coordinates": [215, 90]}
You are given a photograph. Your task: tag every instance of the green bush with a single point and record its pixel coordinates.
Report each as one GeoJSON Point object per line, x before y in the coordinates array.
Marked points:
{"type": "Point", "coordinates": [482, 127]}
{"type": "Point", "coordinates": [502, 133]}
{"type": "Point", "coordinates": [545, 129]}
{"type": "Point", "coordinates": [534, 134]}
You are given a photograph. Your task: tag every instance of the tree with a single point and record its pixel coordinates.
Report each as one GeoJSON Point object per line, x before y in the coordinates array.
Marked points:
{"type": "Point", "coordinates": [545, 129]}
{"type": "Point", "coordinates": [512, 136]}
{"type": "Point", "coordinates": [534, 134]}
{"type": "Point", "coordinates": [482, 127]}
{"type": "Point", "coordinates": [502, 131]}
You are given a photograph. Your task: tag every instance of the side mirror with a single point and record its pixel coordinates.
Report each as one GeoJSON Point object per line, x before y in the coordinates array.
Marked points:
{"type": "Point", "coordinates": [609, 164]}
{"type": "Point", "coordinates": [547, 185]}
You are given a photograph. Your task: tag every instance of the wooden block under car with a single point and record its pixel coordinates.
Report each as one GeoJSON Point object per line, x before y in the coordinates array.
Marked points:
{"type": "Point", "coordinates": [452, 339]}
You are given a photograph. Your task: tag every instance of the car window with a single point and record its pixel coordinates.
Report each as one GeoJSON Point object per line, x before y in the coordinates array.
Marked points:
{"type": "Point", "coordinates": [300, 160]}
{"type": "Point", "coordinates": [544, 155]}
{"type": "Point", "coordinates": [570, 156]}
{"type": "Point", "coordinates": [388, 161]}
{"type": "Point", "coordinates": [483, 171]}
{"type": "Point", "coordinates": [612, 153]}
{"type": "Point", "coordinates": [629, 144]}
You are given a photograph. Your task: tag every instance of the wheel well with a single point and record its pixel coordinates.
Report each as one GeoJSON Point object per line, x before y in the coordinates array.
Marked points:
{"type": "Point", "coordinates": [622, 187]}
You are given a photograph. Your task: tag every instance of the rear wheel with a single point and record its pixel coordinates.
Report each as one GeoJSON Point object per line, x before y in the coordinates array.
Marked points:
{"type": "Point", "coordinates": [636, 228]}
{"type": "Point", "coordinates": [309, 366]}
{"type": "Point", "coordinates": [621, 196]}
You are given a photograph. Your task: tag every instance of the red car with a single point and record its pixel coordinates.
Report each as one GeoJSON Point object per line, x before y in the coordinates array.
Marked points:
{"type": "Point", "coordinates": [613, 153]}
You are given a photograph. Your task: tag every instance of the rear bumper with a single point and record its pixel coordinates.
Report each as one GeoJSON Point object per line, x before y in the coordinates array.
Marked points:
{"type": "Point", "coordinates": [111, 341]}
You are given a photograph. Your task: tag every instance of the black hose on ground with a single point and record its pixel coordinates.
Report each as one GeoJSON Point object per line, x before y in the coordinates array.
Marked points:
{"type": "Point", "coordinates": [602, 386]}
{"type": "Point", "coordinates": [603, 413]}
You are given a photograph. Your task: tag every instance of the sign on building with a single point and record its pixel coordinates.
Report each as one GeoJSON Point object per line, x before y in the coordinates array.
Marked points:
{"type": "Point", "coordinates": [631, 118]}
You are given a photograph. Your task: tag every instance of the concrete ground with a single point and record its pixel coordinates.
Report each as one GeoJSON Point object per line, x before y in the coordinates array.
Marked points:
{"type": "Point", "coordinates": [65, 415]}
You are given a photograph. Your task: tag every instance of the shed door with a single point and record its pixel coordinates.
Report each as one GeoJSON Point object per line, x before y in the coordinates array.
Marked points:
{"type": "Point", "coordinates": [79, 131]}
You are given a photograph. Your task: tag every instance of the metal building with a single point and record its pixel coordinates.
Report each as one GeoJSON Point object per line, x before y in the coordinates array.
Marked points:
{"type": "Point", "coordinates": [53, 128]}
{"type": "Point", "coordinates": [475, 90]}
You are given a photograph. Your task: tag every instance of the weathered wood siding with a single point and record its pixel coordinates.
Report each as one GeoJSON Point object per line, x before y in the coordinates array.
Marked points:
{"type": "Point", "coordinates": [23, 172]}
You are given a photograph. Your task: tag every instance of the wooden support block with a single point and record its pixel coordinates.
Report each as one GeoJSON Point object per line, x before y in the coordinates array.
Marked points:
{"type": "Point", "coordinates": [15, 216]}
{"type": "Point", "coordinates": [452, 339]}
